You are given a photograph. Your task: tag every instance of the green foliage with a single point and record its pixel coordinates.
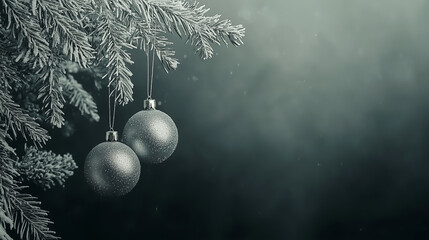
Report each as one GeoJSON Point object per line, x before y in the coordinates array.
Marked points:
{"type": "Point", "coordinates": [29, 220]}
{"type": "Point", "coordinates": [3, 136]}
{"type": "Point", "coordinates": [190, 19]}
{"type": "Point", "coordinates": [78, 97]}
{"type": "Point", "coordinates": [41, 41]}
{"type": "Point", "coordinates": [61, 24]}
{"type": "Point", "coordinates": [112, 50]}
{"type": "Point", "coordinates": [11, 114]}
{"type": "Point", "coordinates": [27, 32]}
{"type": "Point", "coordinates": [45, 168]}
{"type": "Point", "coordinates": [18, 121]}
{"type": "Point", "coordinates": [4, 220]}
{"type": "Point", "coordinates": [144, 37]}
{"type": "Point", "coordinates": [50, 93]}
{"type": "Point", "coordinates": [99, 33]}
{"type": "Point", "coordinates": [142, 24]}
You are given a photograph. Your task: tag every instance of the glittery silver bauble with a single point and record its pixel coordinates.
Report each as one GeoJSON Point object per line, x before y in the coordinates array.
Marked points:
{"type": "Point", "coordinates": [152, 135]}
{"type": "Point", "coordinates": [112, 168]}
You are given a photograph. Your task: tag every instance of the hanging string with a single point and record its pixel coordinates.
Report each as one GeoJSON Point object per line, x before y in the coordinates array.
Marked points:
{"type": "Point", "coordinates": [150, 69]}
{"type": "Point", "coordinates": [148, 73]}
{"type": "Point", "coordinates": [112, 116]}
{"type": "Point", "coordinates": [110, 110]}
{"type": "Point", "coordinates": [153, 64]}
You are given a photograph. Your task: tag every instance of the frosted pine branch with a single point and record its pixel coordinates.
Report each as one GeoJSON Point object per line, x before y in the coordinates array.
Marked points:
{"type": "Point", "coordinates": [189, 19]}
{"type": "Point", "coordinates": [18, 121]}
{"type": "Point", "coordinates": [27, 31]}
{"type": "Point", "coordinates": [111, 49]}
{"type": "Point", "coordinates": [4, 221]}
{"type": "Point", "coordinates": [63, 30]}
{"type": "Point", "coordinates": [45, 168]}
{"type": "Point", "coordinates": [3, 143]}
{"type": "Point", "coordinates": [11, 113]}
{"type": "Point", "coordinates": [147, 37]}
{"type": "Point", "coordinates": [29, 220]}
{"type": "Point", "coordinates": [51, 93]}
{"type": "Point", "coordinates": [78, 97]}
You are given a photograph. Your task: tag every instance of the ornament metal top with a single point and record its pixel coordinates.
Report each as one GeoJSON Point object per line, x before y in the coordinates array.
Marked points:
{"type": "Point", "coordinates": [149, 104]}
{"type": "Point", "coordinates": [112, 168]}
{"type": "Point", "coordinates": [151, 133]}
{"type": "Point", "coordinates": [112, 136]}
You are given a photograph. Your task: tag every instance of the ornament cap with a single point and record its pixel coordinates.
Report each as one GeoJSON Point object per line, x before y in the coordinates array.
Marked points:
{"type": "Point", "coordinates": [112, 136]}
{"type": "Point", "coordinates": [149, 104]}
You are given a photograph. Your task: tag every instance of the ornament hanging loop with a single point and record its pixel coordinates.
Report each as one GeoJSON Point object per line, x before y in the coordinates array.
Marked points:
{"type": "Point", "coordinates": [149, 104]}
{"type": "Point", "coordinates": [112, 136]}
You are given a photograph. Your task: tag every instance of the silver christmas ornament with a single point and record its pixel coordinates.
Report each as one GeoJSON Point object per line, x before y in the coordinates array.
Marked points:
{"type": "Point", "coordinates": [151, 133]}
{"type": "Point", "coordinates": [112, 168]}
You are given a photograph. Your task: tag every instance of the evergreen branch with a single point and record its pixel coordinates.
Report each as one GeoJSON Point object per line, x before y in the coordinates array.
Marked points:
{"type": "Point", "coordinates": [189, 18]}
{"type": "Point", "coordinates": [122, 5]}
{"type": "Point", "coordinates": [223, 29]}
{"type": "Point", "coordinates": [8, 73]}
{"type": "Point", "coordinates": [29, 219]}
{"type": "Point", "coordinates": [45, 168]}
{"type": "Point", "coordinates": [3, 221]}
{"type": "Point", "coordinates": [50, 93]}
{"type": "Point", "coordinates": [17, 120]}
{"type": "Point", "coordinates": [6, 184]}
{"type": "Point", "coordinates": [202, 44]}
{"type": "Point", "coordinates": [77, 96]}
{"type": "Point", "coordinates": [146, 37]}
{"type": "Point", "coordinates": [164, 53]}
{"type": "Point", "coordinates": [77, 8]}
{"type": "Point", "coordinates": [63, 30]}
{"type": "Point", "coordinates": [25, 27]}
{"type": "Point", "coordinates": [3, 143]}
{"type": "Point", "coordinates": [112, 48]}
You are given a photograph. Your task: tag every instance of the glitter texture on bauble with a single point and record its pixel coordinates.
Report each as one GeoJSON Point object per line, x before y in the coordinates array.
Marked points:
{"type": "Point", "coordinates": [112, 168]}
{"type": "Point", "coordinates": [151, 133]}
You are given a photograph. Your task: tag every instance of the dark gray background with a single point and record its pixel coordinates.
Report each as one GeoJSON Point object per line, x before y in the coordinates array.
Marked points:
{"type": "Point", "coordinates": [316, 128]}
